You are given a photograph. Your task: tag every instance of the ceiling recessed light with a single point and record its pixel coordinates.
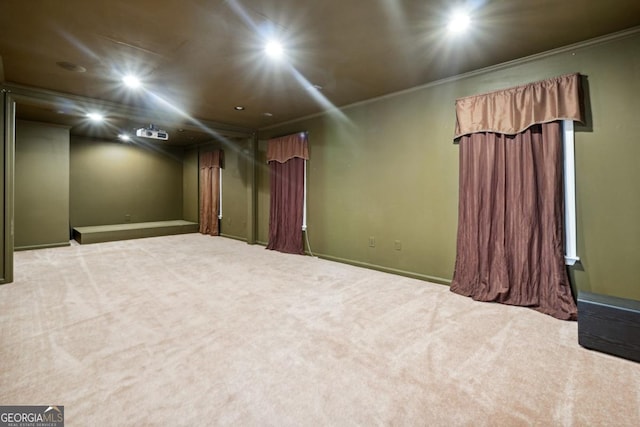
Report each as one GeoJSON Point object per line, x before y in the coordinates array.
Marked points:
{"type": "Point", "coordinates": [124, 137]}
{"type": "Point", "coordinates": [274, 49]}
{"type": "Point", "coordinates": [268, 114]}
{"type": "Point", "coordinates": [95, 117]}
{"type": "Point", "coordinates": [131, 81]}
{"type": "Point", "coordinates": [238, 108]}
{"type": "Point", "coordinates": [459, 22]}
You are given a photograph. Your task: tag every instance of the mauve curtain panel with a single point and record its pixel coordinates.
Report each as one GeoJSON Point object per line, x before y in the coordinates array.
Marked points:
{"type": "Point", "coordinates": [510, 221]}
{"type": "Point", "coordinates": [286, 156]}
{"type": "Point", "coordinates": [510, 246]}
{"type": "Point", "coordinates": [210, 164]}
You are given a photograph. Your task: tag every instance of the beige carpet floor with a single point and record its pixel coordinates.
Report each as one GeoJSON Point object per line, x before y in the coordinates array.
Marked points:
{"type": "Point", "coordinates": [196, 330]}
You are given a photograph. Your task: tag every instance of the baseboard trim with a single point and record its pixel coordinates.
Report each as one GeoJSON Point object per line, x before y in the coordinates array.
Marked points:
{"type": "Point", "coordinates": [396, 271]}
{"type": "Point", "coordinates": [231, 236]}
{"type": "Point", "coordinates": [45, 246]}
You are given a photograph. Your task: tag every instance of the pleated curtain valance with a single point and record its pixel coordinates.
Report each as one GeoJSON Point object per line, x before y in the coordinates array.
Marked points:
{"type": "Point", "coordinates": [287, 147]}
{"type": "Point", "coordinates": [513, 110]}
{"type": "Point", "coordinates": [212, 159]}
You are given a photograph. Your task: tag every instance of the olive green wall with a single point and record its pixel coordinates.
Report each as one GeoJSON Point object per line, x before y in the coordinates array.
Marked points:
{"type": "Point", "coordinates": [41, 185]}
{"type": "Point", "coordinates": [388, 169]}
{"type": "Point", "coordinates": [113, 183]}
{"type": "Point", "coordinates": [234, 187]}
{"type": "Point", "coordinates": [234, 191]}
{"type": "Point", "coordinates": [190, 186]}
{"type": "Point", "coordinates": [262, 183]}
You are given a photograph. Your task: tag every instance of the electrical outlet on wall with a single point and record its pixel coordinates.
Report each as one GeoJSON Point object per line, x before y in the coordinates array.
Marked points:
{"type": "Point", "coordinates": [397, 245]}
{"type": "Point", "coordinates": [372, 242]}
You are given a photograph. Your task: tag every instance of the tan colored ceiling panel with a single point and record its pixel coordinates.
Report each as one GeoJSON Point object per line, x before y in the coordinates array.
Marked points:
{"type": "Point", "coordinates": [200, 58]}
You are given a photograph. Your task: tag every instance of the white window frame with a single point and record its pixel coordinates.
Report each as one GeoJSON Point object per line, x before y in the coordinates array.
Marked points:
{"type": "Point", "coordinates": [571, 252]}
{"type": "Point", "coordinates": [220, 193]}
{"type": "Point", "coordinates": [304, 199]}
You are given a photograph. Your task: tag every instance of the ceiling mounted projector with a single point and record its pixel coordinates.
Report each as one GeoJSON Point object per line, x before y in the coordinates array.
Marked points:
{"type": "Point", "coordinates": [153, 133]}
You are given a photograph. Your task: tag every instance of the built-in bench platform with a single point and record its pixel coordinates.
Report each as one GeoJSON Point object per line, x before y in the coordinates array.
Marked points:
{"type": "Point", "coordinates": [136, 230]}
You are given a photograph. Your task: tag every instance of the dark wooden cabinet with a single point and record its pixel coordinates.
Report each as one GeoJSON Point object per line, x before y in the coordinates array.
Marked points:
{"type": "Point", "coordinates": [609, 324]}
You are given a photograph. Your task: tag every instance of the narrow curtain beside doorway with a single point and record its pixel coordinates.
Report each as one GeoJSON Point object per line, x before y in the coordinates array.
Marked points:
{"type": "Point", "coordinates": [286, 157]}
{"type": "Point", "coordinates": [210, 164]}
